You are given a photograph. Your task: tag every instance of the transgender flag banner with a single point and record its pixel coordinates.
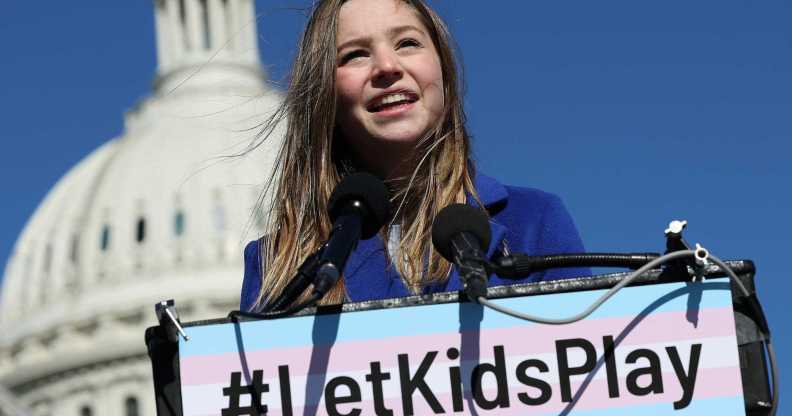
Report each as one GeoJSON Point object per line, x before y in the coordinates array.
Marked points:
{"type": "Point", "coordinates": [663, 349]}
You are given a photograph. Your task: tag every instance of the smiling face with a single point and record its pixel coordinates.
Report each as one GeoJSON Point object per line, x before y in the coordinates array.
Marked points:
{"type": "Point", "coordinates": [389, 82]}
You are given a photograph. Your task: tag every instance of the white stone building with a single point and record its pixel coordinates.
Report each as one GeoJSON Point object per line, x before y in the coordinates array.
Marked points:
{"type": "Point", "coordinates": [153, 214]}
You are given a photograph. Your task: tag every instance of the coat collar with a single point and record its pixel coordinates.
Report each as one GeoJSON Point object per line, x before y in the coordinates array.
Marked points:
{"type": "Point", "coordinates": [494, 197]}
{"type": "Point", "coordinates": [490, 191]}
{"type": "Point", "coordinates": [370, 255]}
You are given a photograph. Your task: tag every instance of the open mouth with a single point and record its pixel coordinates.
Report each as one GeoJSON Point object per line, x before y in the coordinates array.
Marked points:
{"type": "Point", "coordinates": [389, 101]}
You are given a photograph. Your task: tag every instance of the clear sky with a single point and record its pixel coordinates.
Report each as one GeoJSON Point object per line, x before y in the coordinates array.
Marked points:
{"type": "Point", "coordinates": [635, 113]}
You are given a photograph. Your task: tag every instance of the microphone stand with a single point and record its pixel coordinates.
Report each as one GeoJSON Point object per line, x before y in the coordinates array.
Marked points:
{"type": "Point", "coordinates": [472, 266]}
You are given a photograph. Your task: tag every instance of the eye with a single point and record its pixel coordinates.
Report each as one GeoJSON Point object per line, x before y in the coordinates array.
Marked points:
{"type": "Point", "coordinates": [357, 53]}
{"type": "Point", "coordinates": [409, 43]}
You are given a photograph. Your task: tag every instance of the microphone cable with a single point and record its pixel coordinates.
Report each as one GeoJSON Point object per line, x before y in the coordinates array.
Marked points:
{"type": "Point", "coordinates": [701, 256]}
{"type": "Point", "coordinates": [311, 301]}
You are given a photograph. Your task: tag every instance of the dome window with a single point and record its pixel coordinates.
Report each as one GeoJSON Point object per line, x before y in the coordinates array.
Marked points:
{"type": "Point", "coordinates": [86, 411]}
{"type": "Point", "coordinates": [74, 252]}
{"type": "Point", "coordinates": [140, 230]}
{"type": "Point", "coordinates": [104, 242]}
{"type": "Point", "coordinates": [178, 223]}
{"type": "Point", "coordinates": [48, 258]}
{"type": "Point", "coordinates": [131, 406]}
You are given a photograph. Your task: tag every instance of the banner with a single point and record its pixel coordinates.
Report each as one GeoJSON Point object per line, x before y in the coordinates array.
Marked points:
{"type": "Point", "coordinates": [664, 349]}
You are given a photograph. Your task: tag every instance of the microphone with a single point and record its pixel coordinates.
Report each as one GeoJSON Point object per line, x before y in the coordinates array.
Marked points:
{"type": "Point", "coordinates": [359, 206]}
{"type": "Point", "coordinates": [461, 233]}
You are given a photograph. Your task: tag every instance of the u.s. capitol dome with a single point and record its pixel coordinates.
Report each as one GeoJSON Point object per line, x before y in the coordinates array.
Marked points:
{"type": "Point", "coordinates": [160, 212]}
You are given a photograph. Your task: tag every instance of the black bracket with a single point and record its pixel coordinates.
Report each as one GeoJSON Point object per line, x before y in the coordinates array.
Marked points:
{"type": "Point", "coordinates": [163, 349]}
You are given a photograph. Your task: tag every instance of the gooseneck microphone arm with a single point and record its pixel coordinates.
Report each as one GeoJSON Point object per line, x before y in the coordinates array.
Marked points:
{"type": "Point", "coordinates": [301, 280]}
{"type": "Point", "coordinates": [343, 240]}
{"type": "Point", "coordinates": [518, 266]}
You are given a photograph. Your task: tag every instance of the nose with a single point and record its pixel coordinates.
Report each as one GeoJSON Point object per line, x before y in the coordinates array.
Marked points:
{"type": "Point", "coordinates": [387, 68]}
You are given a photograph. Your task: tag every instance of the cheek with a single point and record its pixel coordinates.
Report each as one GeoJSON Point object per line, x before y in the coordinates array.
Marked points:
{"type": "Point", "coordinates": [347, 90]}
{"type": "Point", "coordinates": [348, 93]}
{"type": "Point", "coordinates": [434, 87]}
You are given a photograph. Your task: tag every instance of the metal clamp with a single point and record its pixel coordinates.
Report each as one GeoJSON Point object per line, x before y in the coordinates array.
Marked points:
{"type": "Point", "coordinates": [675, 242]}
{"type": "Point", "coordinates": [701, 258]}
{"type": "Point", "coordinates": [168, 317]}
{"type": "Point", "coordinates": [675, 228]}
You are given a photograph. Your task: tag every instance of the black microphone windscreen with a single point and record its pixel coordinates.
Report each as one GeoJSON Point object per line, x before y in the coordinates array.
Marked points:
{"type": "Point", "coordinates": [457, 218]}
{"type": "Point", "coordinates": [371, 192]}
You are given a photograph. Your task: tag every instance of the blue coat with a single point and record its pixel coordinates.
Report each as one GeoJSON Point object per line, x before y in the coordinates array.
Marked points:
{"type": "Point", "coordinates": [526, 220]}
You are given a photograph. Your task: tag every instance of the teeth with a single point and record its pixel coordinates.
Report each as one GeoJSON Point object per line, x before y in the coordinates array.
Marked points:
{"type": "Point", "coordinates": [392, 98]}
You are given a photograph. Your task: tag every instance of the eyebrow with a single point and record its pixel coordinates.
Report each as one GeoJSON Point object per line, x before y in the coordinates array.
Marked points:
{"type": "Point", "coordinates": [392, 32]}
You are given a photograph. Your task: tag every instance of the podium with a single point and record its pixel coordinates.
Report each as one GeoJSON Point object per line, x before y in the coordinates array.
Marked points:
{"type": "Point", "coordinates": [665, 345]}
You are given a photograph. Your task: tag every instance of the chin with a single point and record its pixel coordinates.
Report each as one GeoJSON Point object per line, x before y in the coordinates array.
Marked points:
{"type": "Point", "coordinates": [400, 136]}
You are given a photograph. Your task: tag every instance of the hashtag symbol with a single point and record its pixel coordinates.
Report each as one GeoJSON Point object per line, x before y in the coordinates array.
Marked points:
{"type": "Point", "coordinates": [236, 390]}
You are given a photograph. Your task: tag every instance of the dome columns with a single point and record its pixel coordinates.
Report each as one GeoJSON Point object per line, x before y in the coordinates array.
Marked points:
{"type": "Point", "coordinates": [220, 31]}
{"type": "Point", "coordinates": [195, 32]}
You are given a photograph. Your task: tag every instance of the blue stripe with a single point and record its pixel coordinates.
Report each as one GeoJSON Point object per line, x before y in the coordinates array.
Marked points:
{"type": "Point", "coordinates": [720, 406]}
{"type": "Point", "coordinates": [445, 318]}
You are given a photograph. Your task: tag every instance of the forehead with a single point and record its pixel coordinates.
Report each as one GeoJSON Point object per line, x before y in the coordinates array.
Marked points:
{"type": "Point", "coordinates": [358, 18]}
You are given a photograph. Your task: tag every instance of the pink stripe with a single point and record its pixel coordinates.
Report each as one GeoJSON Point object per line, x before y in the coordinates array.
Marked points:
{"type": "Point", "coordinates": [520, 340]}
{"type": "Point", "coordinates": [712, 383]}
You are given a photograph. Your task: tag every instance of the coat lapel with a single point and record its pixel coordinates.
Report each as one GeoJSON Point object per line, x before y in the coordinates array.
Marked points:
{"type": "Point", "coordinates": [494, 196]}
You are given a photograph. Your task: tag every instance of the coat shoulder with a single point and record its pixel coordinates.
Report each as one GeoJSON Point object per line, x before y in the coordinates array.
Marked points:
{"type": "Point", "coordinates": [251, 283]}
{"type": "Point", "coordinates": [528, 204]}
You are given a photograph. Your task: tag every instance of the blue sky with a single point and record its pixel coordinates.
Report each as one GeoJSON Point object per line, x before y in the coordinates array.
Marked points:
{"type": "Point", "coordinates": [635, 113]}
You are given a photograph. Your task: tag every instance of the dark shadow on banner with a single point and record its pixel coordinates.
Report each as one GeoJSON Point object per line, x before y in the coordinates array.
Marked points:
{"type": "Point", "coordinates": [470, 317]}
{"type": "Point", "coordinates": [324, 334]}
{"type": "Point", "coordinates": [243, 363]}
{"type": "Point", "coordinates": [694, 292]}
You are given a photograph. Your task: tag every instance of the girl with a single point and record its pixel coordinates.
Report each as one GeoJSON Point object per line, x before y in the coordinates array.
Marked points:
{"type": "Point", "coordinates": [374, 88]}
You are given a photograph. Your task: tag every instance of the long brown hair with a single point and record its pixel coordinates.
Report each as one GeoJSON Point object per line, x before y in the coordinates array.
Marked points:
{"type": "Point", "coordinates": [312, 160]}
